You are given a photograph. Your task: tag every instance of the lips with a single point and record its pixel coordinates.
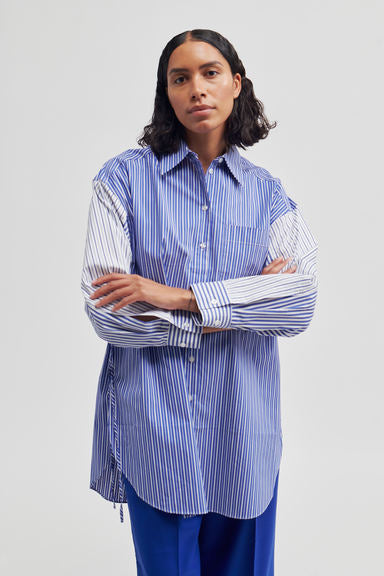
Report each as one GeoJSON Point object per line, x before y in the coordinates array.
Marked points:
{"type": "Point", "coordinates": [198, 108]}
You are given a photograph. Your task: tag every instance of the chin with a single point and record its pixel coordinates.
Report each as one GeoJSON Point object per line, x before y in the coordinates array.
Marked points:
{"type": "Point", "coordinates": [201, 128]}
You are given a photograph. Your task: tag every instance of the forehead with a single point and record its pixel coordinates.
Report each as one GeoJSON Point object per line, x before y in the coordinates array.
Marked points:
{"type": "Point", "coordinates": [191, 55]}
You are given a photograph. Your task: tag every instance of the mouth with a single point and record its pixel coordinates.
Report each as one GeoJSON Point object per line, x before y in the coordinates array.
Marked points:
{"type": "Point", "coordinates": [200, 109]}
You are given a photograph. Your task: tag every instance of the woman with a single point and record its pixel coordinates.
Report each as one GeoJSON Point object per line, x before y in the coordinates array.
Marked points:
{"type": "Point", "coordinates": [196, 260]}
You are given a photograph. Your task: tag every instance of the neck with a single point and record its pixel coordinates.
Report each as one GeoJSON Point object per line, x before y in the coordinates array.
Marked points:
{"type": "Point", "coordinates": [206, 146]}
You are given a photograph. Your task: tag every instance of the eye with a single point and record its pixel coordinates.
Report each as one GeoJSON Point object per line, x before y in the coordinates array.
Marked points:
{"type": "Point", "coordinates": [209, 72]}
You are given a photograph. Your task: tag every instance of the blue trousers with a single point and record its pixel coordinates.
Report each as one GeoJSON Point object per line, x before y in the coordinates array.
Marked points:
{"type": "Point", "coordinates": [203, 545]}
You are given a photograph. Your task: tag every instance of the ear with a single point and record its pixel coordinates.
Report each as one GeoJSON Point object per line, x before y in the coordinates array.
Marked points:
{"type": "Point", "coordinates": [236, 85]}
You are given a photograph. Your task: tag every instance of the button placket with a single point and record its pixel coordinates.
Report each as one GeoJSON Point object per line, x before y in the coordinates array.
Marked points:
{"type": "Point", "coordinates": [202, 243]}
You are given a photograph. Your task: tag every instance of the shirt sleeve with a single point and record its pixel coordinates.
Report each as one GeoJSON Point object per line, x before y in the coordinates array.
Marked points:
{"type": "Point", "coordinates": [271, 304]}
{"type": "Point", "coordinates": [108, 250]}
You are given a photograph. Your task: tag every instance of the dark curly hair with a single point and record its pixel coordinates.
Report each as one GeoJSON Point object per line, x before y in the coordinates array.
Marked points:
{"type": "Point", "coordinates": [247, 123]}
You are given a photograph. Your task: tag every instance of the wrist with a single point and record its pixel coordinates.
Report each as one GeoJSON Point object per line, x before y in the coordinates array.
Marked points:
{"type": "Point", "coordinates": [189, 301]}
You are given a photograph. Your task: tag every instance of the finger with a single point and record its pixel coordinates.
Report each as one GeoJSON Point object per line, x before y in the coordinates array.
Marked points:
{"type": "Point", "coordinates": [269, 269]}
{"type": "Point", "coordinates": [124, 302]}
{"type": "Point", "coordinates": [276, 267]}
{"type": "Point", "coordinates": [115, 295]}
{"type": "Point", "coordinates": [280, 261]}
{"type": "Point", "coordinates": [291, 270]}
{"type": "Point", "coordinates": [108, 277]}
{"type": "Point", "coordinates": [273, 263]}
{"type": "Point", "coordinates": [109, 286]}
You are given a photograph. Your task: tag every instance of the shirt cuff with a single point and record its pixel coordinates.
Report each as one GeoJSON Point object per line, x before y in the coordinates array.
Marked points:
{"type": "Point", "coordinates": [214, 304]}
{"type": "Point", "coordinates": [183, 331]}
{"type": "Point", "coordinates": [183, 338]}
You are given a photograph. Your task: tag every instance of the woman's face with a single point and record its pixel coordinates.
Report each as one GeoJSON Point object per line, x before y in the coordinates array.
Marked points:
{"type": "Point", "coordinates": [199, 75]}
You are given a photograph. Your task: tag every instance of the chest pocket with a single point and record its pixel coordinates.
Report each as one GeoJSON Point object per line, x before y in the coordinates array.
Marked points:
{"type": "Point", "coordinates": [243, 250]}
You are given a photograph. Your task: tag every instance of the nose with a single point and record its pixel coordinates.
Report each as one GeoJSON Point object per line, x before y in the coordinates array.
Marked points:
{"type": "Point", "coordinates": [197, 87]}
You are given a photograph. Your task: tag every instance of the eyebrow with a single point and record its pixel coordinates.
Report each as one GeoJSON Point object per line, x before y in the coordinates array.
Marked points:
{"type": "Point", "coordinates": [212, 63]}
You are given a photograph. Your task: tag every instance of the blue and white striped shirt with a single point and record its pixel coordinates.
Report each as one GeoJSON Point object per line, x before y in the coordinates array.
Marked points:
{"type": "Point", "coordinates": [193, 419]}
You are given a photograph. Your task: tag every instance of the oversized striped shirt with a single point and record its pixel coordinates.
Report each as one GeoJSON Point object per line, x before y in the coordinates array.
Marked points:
{"type": "Point", "coordinates": [192, 419]}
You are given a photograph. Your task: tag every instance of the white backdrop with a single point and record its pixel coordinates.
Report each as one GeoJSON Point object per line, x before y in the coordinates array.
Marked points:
{"type": "Point", "coordinates": [78, 87]}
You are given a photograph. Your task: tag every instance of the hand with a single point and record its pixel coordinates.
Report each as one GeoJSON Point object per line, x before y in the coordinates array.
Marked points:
{"type": "Point", "coordinates": [130, 288]}
{"type": "Point", "coordinates": [278, 264]}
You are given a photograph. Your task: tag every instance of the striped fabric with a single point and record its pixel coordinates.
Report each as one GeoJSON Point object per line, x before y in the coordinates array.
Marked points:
{"type": "Point", "coordinates": [192, 419]}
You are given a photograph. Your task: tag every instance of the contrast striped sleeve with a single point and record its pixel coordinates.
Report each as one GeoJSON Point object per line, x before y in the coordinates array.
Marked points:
{"type": "Point", "coordinates": [108, 250]}
{"type": "Point", "coordinates": [272, 304]}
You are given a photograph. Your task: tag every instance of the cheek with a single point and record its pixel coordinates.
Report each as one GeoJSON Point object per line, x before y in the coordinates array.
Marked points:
{"type": "Point", "coordinates": [227, 105]}
{"type": "Point", "coordinates": [177, 106]}
{"type": "Point", "coordinates": [226, 98]}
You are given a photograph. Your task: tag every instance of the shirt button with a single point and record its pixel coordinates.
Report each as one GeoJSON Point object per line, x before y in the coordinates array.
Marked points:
{"type": "Point", "coordinates": [191, 397]}
{"type": "Point", "coordinates": [220, 160]}
{"type": "Point", "coordinates": [214, 302]}
{"type": "Point", "coordinates": [216, 323]}
{"type": "Point", "coordinates": [185, 324]}
{"type": "Point", "coordinates": [183, 344]}
{"type": "Point", "coordinates": [191, 358]}
{"type": "Point", "coordinates": [211, 170]}
{"type": "Point", "coordinates": [203, 245]}
{"type": "Point", "coordinates": [204, 207]}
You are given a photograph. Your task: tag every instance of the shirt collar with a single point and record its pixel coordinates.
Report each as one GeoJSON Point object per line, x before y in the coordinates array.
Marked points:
{"type": "Point", "coordinates": [232, 159]}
